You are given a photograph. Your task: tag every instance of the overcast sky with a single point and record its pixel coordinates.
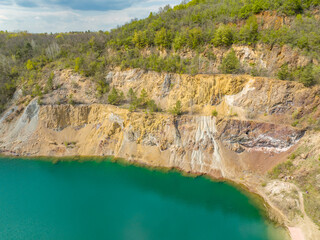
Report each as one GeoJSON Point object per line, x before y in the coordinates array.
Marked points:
{"type": "Point", "coordinates": [38, 16]}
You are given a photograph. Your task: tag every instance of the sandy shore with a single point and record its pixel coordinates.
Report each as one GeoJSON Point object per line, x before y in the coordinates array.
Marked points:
{"type": "Point", "coordinates": [296, 233]}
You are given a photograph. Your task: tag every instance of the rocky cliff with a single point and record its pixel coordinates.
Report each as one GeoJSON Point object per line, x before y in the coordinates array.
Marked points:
{"type": "Point", "coordinates": [251, 132]}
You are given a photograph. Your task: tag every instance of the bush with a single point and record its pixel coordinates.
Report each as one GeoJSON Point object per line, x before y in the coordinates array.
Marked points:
{"type": "Point", "coordinates": [163, 38]}
{"type": "Point", "coordinates": [179, 41]}
{"type": "Point", "coordinates": [284, 73]}
{"type": "Point", "coordinates": [249, 32]}
{"type": "Point", "coordinates": [230, 63]}
{"type": "Point", "coordinates": [224, 36]}
{"type": "Point", "coordinates": [70, 100]}
{"type": "Point", "coordinates": [143, 99]}
{"type": "Point", "coordinates": [140, 39]}
{"type": "Point", "coordinates": [115, 97]}
{"type": "Point", "coordinates": [176, 110]}
{"type": "Point", "coordinates": [306, 76]}
{"type": "Point", "coordinates": [283, 168]}
{"type": "Point", "coordinates": [131, 95]}
{"type": "Point", "coordinates": [49, 84]}
{"type": "Point", "coordinates": [214, 113]}
{"type": "Point", "coordinates": [291, 7]}
{"type": "Point", "coordinates": [194, 38]}
{"type": "Point", "coordinates": [102, 87]}
{"type": "Point", "coordinates": [152, 106]}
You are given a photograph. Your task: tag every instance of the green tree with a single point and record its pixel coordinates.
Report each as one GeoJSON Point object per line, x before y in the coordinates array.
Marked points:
{"type": "Point", "coordinates": [194, 37]}
{"type": "Point", "coordinates": [163, 38]}
{"type": "Point", "coordinates": [177, 109]}
{"type": "Point", "coordinates": [224, 36]}
{"type": "Point", "coordinates": [143, 99]}
{"type": "Point", "coordinates": [179, 41]}
{"type": "Point", "coordinates": [249, 32]}
{"type": "Point", "coordinates": [115, 97]}
{"type": "Point", "coordinates": [49, 84]}
{"type": "Point", "coordinates": [131, 95]}
{"type": "Point", "coordinates": [30, 65]}
{"type": "Point", "coordinates": [230, 63]}
{"type": "Point", "coordinates": [152, 106]}
{"type": "Point", "coordinates": [140, 39]}
{"type": "Point", "coordinates": [307, 77]}
{"type": "Point", "coordinates": [291, 7]}
{"type": "Point", "coordinates": [37, 91]}
{"type": "Point", "coordinates": [102, 87]}
{"type": "Point", "coordinates": [77, 64]}
{"type": "Point", "coordinates": [284, 73]}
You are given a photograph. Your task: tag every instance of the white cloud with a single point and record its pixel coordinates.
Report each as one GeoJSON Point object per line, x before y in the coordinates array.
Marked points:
{"type": "Point", "coordinates": [61, 19]}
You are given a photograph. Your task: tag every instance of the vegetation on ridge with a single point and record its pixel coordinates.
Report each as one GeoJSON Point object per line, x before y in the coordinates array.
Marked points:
{"type": "Point", "coordinates": [178, 39]}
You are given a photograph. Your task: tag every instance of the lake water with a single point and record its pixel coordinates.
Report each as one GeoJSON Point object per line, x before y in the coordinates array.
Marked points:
{"type": "Point", "coordinates": [106, 200]}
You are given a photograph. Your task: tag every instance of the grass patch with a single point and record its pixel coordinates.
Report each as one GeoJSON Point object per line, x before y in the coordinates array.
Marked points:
{"type": "Point", "coordinates": [283, 168]}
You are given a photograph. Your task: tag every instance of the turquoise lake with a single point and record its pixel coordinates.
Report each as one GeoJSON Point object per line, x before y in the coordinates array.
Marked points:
{"type": "Point", "coordinates": [107, 200]}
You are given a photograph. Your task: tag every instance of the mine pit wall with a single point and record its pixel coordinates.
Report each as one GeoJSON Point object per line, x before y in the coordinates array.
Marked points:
{"type": "Point", "coordinates": [193, 143]}
{"type": "Point", "coordinates": [234, 145]}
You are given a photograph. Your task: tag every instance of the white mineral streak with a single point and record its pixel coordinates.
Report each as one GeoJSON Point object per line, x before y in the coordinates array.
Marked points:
{"type": "Point", "coordinates": [25, 125]}
{"type": "Point", "coordinates": [277, 145]}
{"type": "Point", "coordinates": [204, 137]}
{"type": "Point", "coordinates": [6, 114]}
{"type": "Point", "coordinates": [231, 100]}
{"type": "Point", "coordinates": [116, 119]}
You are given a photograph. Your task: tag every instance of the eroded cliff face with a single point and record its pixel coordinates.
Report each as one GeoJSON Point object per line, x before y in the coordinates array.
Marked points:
{"type": "Point", "coordinates": [251, 133]}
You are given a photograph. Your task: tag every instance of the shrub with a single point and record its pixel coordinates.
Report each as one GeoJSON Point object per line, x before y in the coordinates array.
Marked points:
{"type": "Point", "coordinates": [249, 32]}
{"type": "Point", "coordinates": [115, 97]}
{"type": "Point", "coordinates": [214, 113]}
{"type": "Point", "coordinates": [133, 106]}
{"type": "Point", "coordinates": [30, 65]}
{"type": "Point", "coordinates": [291, 7]}
{"type": "Point", "coordinates": [49, 84]}
{"type": "Point", "coordinates": [131, 95]}
{"type": "Point", "coordinates": [284, 73]}
{"type": "Point", "coordinates": [140, 39]}
{"type": "Point", "coordinates": [70, 100]}
{"type": "Point", "coordinates": [282, 168]}
{"type": "Point", "coordinates": [295, 123]}
{"type": "Point", "coordinates": [176, 110]}
{"type": "Point", "coordinates": [143, 99]}
{"type": "Point", "coordinates": [163, 38]}
{"type": "Point", "coordinates": [102, 87]}
{"type": "Point", "coordinates": [230, 63]}
{"type": "Point", "coordinates": [194, 37]}
{"type": "Point", "coordinates": [152, 106]}
{"type": "Point", "coordinates": [179, 41]}
{"type": "Point", "coordinates": [77, 64]}
{"type": "Point", "coordinates": [224, 36]}
{"type": "Point", "coordinates": [306, 76]}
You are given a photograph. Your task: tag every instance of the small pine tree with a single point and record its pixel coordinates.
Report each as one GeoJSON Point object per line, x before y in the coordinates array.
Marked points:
{"type": "Point", "coordinates": [307, 77]}
{"type": "Point", "coordinates": [133, 106]}
{"type": "Point", "coordinates": [230, 63]}
{"type": "Point", "coordinates": [49, 85]}
{"type": "Point", "coordinates": [152, 106]}
{"type": "Point", "coordinates": [249, 32]}
{"type": "Point", "coordinates": [131, 95]}
{"type": "Point", "coordinates": [115, 97]}
{"type": "Point", "coordinates": [102, 87]}
{"type": "Point", "coordinates": [224, 36]}
{"type": "Point", "coordinates": [143, 97]}
{"type": "Point", "coordinates": [284, 73]}
{"type": "Point", "coordinates": [177, 109]}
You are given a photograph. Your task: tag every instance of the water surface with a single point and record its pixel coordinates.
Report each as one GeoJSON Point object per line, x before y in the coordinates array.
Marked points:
{"type": "Point", "coordinates": [90, 200]}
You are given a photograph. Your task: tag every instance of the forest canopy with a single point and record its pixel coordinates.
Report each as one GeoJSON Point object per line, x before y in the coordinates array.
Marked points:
{"type": "Point", "coordinates": [193, 27]}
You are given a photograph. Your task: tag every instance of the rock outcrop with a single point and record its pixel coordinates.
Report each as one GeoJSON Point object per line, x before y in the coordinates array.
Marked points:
{"type": "Point", "coordinates": [251, 133]}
